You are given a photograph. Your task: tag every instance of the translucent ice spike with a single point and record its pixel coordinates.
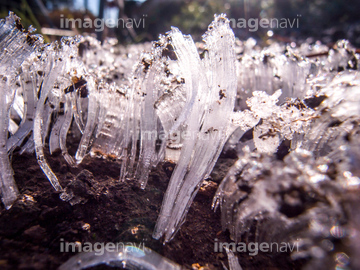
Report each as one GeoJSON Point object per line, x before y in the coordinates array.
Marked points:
{"type": "Point", "coordinates": [8, 188]}
{"type": "Point", "coordinates": [54, 68]}
{"type": "Point", "coordinates": [148, 123]}
{"type": "Point", "coordinates": [134, 124]}
{"type": "Point", "coordinates": [195, 86]}
{"type": "Point", "coordinates": [90, 126]}
{"type": "Point", "coordinates": [209, 117]}
{"type": "Point", "coordinates": [132, 121]}
{"type": "Point", "coordinates": [30, 99]}
{"type": "Point", "coordinates": [214, 131]}
{"type": "Point", "coordinates": [130, 126]}
{"type": "Point", "coordinates": [54, 143]}
{"type": "Point", "coordinates": [64, 130]}
{"type": "Point", "coordinates": [233, 260]}
{"type": "Point", "coordinates": [129, 257]}
{"type": "Point", "coordinates": [110, 127]}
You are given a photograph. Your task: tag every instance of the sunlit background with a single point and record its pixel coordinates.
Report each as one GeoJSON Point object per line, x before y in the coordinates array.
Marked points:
{"type": "Point", "coordinates": [325, 20]}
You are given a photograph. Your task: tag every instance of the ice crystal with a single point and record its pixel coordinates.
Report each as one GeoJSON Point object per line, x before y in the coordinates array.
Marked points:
{"type": "Point", "coordinates": [296, 200]}
{"type": "Point", "coordinates": [16, 45]}
{"type": "Point", "coordinates": [292, 118]}
{"type": "Point", "coordinates": [192, 107]}
{"type": "Point", "coordinates": [129, 257]}
{"type": "Point", "coordinates": [233, 260]}
{"type": "Point", "coordinates": [273, 196]}
{"type": "Point", "coordinates": [211, 98]}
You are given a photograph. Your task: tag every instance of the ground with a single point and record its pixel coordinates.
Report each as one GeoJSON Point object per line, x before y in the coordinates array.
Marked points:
{"type": "Point", "coordinates": [109, 210]}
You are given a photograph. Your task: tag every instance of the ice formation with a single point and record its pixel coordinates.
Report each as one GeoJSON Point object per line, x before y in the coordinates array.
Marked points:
{"type": "Point", "coordinates": [233, 260]}
{"type": "Point", "coordinates": [291, 113]}
{"type": "Point", "coordinates": [162, 96]}
{"type": "Point", "coordinates": [296, 172]}
{"type": "Point", "coordinates": [128, 257]}
{"type": "Point", "coordinates": [12, 55]}
{"type": "Point", "coordinates": [207, 111]}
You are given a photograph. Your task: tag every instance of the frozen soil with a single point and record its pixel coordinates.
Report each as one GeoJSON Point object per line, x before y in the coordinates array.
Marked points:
{"type": "Point", "coordinates": [109, 210]}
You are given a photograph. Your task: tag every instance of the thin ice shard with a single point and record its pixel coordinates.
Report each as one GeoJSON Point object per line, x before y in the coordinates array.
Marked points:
{"type": "Point", "coordinates": [233, 260]}
{"type": "Point", "coordinates": [9, 191]}
{"type": "Point", "coordinates": [212, 101]}
{"type": "Point", "coordinates": [148, 124]}
{"type": "Point", "coordinates": [54, 68]}
{"type": "Point", "coordinates": [93, 110]}
{"type": "Point", "coordinates": [187, 56]}
{"type": "Point", "coordinates": [29, 99]}
{"type": "Point", "coordinates": [64, 131]}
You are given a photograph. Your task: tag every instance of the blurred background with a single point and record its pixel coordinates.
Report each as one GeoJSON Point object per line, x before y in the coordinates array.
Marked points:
{"type": "Point", "coordinates": [322, 20]}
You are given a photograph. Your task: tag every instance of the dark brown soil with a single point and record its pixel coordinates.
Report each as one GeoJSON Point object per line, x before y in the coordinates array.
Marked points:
{"type": "Point", "coordinates": [109, 211]}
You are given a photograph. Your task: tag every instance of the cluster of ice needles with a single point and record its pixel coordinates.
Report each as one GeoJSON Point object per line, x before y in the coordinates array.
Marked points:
{"type": "Point", "coordinates": [291, 114]}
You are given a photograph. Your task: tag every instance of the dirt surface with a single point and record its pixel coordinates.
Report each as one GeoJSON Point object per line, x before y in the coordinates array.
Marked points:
{"type": "Point", "coordinates": [110, 211]}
